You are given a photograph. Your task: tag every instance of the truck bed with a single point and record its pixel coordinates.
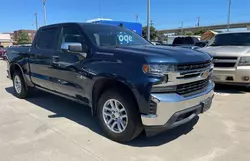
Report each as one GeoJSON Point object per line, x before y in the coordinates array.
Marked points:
{"type": "Point", "coordinates": [17, 51]}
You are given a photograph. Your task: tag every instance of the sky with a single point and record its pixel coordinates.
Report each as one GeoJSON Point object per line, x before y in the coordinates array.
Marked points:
{"type": "Point", "coordinates": [165, 14]}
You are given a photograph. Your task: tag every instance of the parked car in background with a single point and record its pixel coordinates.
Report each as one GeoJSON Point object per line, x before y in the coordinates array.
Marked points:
{"type": "Point", "coordinates": [231, 58]}
{"type": "Point", "coordinates": [2, 52]}
{"type": "Point", "coordinates": [130, 84]}
{"type": "Point", "coordinates": [188, 42]}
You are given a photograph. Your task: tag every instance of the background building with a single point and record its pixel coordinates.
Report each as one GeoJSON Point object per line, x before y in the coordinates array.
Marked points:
{"type": "Point", "coordinates": [31, 34]}
{"type": "Point", "coordinates": [5, 40]}
{"type": "Point", "coordinates": [11, 35]}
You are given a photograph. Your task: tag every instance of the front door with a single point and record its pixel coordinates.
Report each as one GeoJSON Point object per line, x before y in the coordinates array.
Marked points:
{"type": "Point", "coordinates": [70, 78]}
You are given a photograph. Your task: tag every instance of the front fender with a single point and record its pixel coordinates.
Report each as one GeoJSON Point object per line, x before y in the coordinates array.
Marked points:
{"type": "Point", "coordinates": [140, 88]}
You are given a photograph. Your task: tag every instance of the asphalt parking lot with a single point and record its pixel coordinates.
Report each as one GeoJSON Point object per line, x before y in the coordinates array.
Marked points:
{"type": "Point", "coordinates": [46, 127]}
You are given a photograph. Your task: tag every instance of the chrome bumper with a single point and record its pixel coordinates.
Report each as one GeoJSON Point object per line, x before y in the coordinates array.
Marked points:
{"type": "Point", "coordinates": [221, 75]}
{"type": "Point", "coordinates": [170, 104]}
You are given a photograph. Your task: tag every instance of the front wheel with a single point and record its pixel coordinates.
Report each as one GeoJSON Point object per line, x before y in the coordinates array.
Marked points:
{"type": "Point", "coordinates": [118, 116]}
{"type": "Point", "coordinates": [20, 88]}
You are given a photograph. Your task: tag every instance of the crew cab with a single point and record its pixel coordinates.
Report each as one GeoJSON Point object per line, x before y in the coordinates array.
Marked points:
{"type": "Point", "coordinates": [129, 84]}
{"type": "Point", "coordinates": [231, 58]}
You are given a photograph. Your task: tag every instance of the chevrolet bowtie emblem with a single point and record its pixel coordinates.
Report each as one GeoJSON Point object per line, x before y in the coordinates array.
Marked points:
{"type": "Point", "coordinates": [205, 74]}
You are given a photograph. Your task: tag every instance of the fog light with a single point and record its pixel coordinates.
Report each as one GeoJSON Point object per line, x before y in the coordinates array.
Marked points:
{"type": "Point", "coordinates": [246, 78]}
{"type": "Point", "coordinates": [154, 99]}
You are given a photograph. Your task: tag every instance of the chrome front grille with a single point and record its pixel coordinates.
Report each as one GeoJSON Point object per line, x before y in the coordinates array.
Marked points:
{"type": "Point", "coordinates": [224, 61]}
{"type": "Point", "coordinates": [196, 66]}
{"type": "Point", "coordinates": [194, 87]}
{"type": "Point", "coordinates": [188, 79]}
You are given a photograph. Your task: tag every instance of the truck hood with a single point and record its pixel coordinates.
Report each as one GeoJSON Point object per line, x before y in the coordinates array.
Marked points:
{"type": "Point", "coordinates": [165, 54]}
{"type": "Point", "coordinates": [227, 50]}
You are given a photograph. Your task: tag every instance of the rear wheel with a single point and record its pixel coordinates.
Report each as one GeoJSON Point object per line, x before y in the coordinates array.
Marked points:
{"type": "Point", "coordinates": [118, 116]}
{"type": "Point", "coordinates": [20, 88]}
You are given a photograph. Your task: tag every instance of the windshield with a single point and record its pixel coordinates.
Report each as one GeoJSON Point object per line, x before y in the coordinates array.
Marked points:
{"type": "Point", "coordinates": [106, 36]}
{"type": "Point", "coordinates": [185, 41]}
{"type": "Point", "coordinates": [236, 39]}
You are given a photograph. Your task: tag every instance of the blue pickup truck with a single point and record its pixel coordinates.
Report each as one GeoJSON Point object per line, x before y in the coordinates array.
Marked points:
{"type": "Point", "coordinates": [129, 84]}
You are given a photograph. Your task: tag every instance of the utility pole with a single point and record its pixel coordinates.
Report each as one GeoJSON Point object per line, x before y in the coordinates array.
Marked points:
{"type": "Point", "coordinates": [44, 10]}
{"type": "Point", "coordinates": [182, 28]}
{"type": "Point", "coordinates": [198, 22]}
{"type": "Point", "coordinates": [148, 22]}
{"type": "Point", "coordinates": [229, 13]}
{"type": "Point", "coordinates": [36, 21]}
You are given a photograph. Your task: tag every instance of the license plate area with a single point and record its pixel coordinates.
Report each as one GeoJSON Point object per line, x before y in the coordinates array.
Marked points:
{"type": "Point", "coordinates": [216, 77]}
{"type": "Point", "coordinates": [206, 104]}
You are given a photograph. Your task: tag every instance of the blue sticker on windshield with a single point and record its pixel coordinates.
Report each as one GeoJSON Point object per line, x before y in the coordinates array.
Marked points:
{"type": "Point", "coordinates": [125, 39]}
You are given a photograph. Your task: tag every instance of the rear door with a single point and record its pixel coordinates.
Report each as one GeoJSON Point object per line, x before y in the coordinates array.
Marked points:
{"type": "Point", "coordinates": [41, 57]}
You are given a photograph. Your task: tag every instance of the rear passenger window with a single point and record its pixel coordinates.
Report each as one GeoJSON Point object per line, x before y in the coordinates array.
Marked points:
{"type": "Point", "coordinates": [46, 39]}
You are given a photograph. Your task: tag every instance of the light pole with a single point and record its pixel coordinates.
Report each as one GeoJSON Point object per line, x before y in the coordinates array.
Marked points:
{"type": "Point", "coordinates": [148, 23]}
{"type": "Point", "coordinates": [44, 10]}
{"type": "Point", "coordinates": [36, 21]}
{"type": "Point", "coordinates": [182, 28]}
{"type": "Point", "coordinates": [229, 12]}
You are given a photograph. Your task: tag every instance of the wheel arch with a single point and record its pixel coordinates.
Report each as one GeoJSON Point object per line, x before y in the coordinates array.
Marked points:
{"type": "Point", "coordinates": [103, 84]}
{"type": "Point", "coordinates": [15, 67]}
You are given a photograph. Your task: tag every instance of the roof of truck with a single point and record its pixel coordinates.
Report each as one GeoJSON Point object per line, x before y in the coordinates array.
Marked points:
{"type": "Point", "coordinates": [234, 32]}
{"type": "Point", "coordinates": [71, 23]}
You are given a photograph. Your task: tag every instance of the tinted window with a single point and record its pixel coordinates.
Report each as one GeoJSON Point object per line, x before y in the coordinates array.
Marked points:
{"type": "Point", "coordinates": [239, 39]}
{"type": "Point", "coordinates": [185, 40]}
{"type": "Point", "coordinates": [70, 34]}
{"type": "Point", "coordinates": [46, 39]}
{"type": "Point", "coordinates": [107, 35]}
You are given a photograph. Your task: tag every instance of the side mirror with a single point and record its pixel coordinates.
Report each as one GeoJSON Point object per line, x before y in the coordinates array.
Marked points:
{"type": "Point", "coordinates": [72, 46]}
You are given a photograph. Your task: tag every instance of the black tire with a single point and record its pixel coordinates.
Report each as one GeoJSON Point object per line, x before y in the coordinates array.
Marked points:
{"type": "Point", "coordinates": [248, 89]}
{"type": "Point", "coordinates": [134, 125]}
{"type": "Point", "coordinates": [24, 91]}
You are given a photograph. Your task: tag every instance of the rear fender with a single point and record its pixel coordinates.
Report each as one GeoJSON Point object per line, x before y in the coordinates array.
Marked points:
{"type": "Point", "coordinates": [26, 76]}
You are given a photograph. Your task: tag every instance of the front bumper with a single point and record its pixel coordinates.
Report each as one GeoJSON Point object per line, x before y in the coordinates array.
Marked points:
{"type": "Point", "coordinates": [174, 110]}
{"type": "Point", "coordinates": [233, 76]}
{"type": "Point", "coordinates": [8, 70]}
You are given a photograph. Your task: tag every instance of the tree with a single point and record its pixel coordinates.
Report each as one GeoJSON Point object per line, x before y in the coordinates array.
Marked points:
{"type": "Point", "coordinates": [199, 31]}
{"type": "Point", "coordinates": [153, 32]}
{"type": "Point", "coordinates": [188, 33]}
{"type": "Point", "coordinates": [23, 38]}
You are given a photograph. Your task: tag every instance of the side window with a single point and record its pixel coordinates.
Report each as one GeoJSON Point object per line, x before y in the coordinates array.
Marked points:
{"type": "Point", "coordinates": [46, 39]}
{"type": "Point", "coordinates": [71, 35]}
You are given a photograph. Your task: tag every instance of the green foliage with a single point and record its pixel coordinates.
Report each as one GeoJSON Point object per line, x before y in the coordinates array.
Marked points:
{"type": "Point", "coordinates": [199, 31]}
{"type": "Point", "coordinates": [23, 38]}
{"type": "Point", "coordinates": [189, 33]}
{"type": "Point", "coordinates": [153, 32]}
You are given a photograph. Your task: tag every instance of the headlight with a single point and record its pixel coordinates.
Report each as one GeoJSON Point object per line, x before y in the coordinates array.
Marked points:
{"type": "Point", "coordinates": [158, 69]}
{"type": "Point", "coordinates": [244, 61]}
